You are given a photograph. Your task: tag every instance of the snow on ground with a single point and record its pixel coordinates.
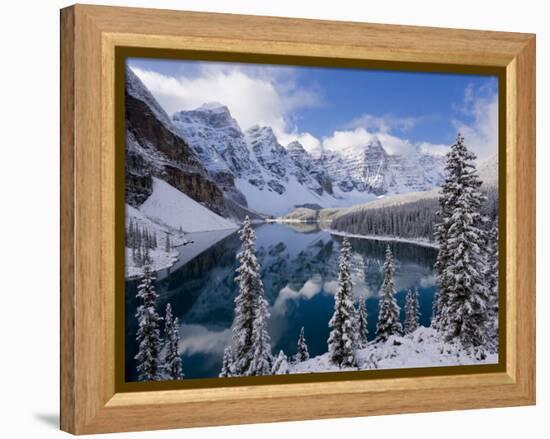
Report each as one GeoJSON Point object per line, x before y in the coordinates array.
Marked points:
{"type": "Point", "coordinates": [422, 348]}
{"type": "Point", "coordinates": [417, 241]}
{"type": "Point", "coordinates": [172, 208]}
{"type": "Point", "coordinates": [272, 203]}
{"type": "Point", "coordinates": [160, 259]}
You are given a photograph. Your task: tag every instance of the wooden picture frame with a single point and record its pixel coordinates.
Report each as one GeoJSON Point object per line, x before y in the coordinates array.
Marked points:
{"type": "Point", "coordinates": [91, 401]}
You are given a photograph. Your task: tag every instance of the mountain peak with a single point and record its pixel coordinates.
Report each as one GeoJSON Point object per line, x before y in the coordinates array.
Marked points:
{"type": "Point", "coordinates": [264, 132]}
{"type": "Point", "coordinates": [295, 145]}
{"type": "Point", "coordinates": [211, 114]}
{"type": "Point", "coordinates": [374, 142]}
{"type": "Point", "coordinates": [213, 106]}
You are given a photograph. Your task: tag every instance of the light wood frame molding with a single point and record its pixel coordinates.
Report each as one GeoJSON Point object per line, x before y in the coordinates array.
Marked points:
{"type": "Point", "coordinates": [89, 36]}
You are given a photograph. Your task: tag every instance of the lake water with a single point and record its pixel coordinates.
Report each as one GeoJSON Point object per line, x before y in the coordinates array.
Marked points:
{"type": "Point", "coordinates": [299, 271]}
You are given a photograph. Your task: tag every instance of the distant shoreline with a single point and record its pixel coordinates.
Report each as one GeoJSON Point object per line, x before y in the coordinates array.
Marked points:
{"type": "Point", "coordinates": [421, 243]}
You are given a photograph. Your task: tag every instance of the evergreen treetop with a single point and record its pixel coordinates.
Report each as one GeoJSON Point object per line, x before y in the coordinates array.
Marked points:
{"type": "Point", "coordinates": [172, 361]}
{"type": "Point", "coordinates": [412, 311]}
{"type": "Point", "coordinates": [302, 353]}
{"type": "Point", "coordinates": [148, 334]}
{"type": "Point", "coordinates": [342, 338]}
{"type": "Point", "coordinates": [362, 324]}
{"type": "Point", "coordinates": [388, 316]}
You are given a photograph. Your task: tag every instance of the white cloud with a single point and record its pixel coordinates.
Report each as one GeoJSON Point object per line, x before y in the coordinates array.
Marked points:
{"type": "Point", "coordinates": [311, 288]}
{"type": "Point", "coordinates": [254, 96]}
{"type": "Point", "coordinates": [269, 96]}
{"type": "Point", "coordinates": [433, 148]}
{"type": "Point", "coordinates": [310, 143]}
{"type": "Point", "coordinates": [360, 137]}
{"type": "Point", "coordinates": [481, 134]}
{"type": "Point", "coordinates": [339, 140]}
{"type": "Point", "coordinates": [476, 120]}
{"type": "Point", "coordinates": [383, 124]}
{"type": "Point", "coordinates": [199, 339]}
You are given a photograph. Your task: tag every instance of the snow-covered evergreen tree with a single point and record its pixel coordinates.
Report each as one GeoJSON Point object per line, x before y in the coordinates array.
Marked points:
{"type": "Point", "coordinates": [412, 311]}
{"type": "Point", "coordinates": [492, 273]}
{"type": "Point", "coordinates": [167, 244]}
{"type": "Point", "coordinates": [262, 359]}
{"type": "Point", "coordinates": [172, 366]}
{"type": "Point", "coordinates": [342, 338]}
{"type": "Point", "coordinates": [148, 333]}
{"type": "Point", "coordinates": [280, 364]}
{"type": "Point", "coordinates": [462, 292]}
{"type": "Point", "coordinates": [252, 351]}
{"type": "Point", "coordinates": [362, 327]}
{"type": "Point", "coordinates": [388, 315]}
{"type": "Point", "coordinates": [302, 353]}
{"type": "Point", "coordinates": [227, 365]}
{"type": "Point", "coordinates": [435, 310]}
{"type": "Point", "coordinates": [146, 254]}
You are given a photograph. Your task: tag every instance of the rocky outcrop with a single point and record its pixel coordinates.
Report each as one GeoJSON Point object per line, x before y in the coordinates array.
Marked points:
{"type": "Point", "coordinates": [153, 148]}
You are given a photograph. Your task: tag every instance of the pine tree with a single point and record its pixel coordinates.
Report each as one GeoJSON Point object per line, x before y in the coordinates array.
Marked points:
{"type": "Point", "coordinates": [491, 275]}
{"type": "Point", "coordinates": [167, 245]}
{"type": "Point", "coordinates": [251, 341]}
{"type": "Point", "coordinates": [412, 311]}
{"type": "Point", "coordinates": [261, 342]}
{"type": "Point", "coordinates": [139, 257]}
{"type": "Point", "coordinates": [148, 334]}
{"type": "Point", "coordinates": [435, 310]}
{"type": "Point", "coordinates": [227, 365]}
{"type": "Point", "coordinates": [172, 362]}
{"type": "Point", "coordinates": [388, 316]}
{"type": "Point", "coordinates": [280, 365]}
{"type": "Point", "coordinates": [303, 353]}
{"type": "Point", "coordinates": [362, 324]}
{"type": "Point", "coordinates": [146, 255]}
{"type": "Point", "coordinates": [462, 293]}
{"type": "Point", "coordinates": [146, 243]}
{"type": "Point", "coordinates": [342, 338]}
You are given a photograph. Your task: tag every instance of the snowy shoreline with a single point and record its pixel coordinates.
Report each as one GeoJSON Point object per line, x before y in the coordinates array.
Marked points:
{"type": "Point", "coordinates": [422, 348]}
{"type": "Point", "coordinates": [419, 242]}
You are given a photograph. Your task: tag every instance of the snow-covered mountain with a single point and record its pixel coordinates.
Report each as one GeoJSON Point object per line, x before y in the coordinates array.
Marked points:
{"type": "Point", "coordinates": [274, 178]}
{"type": "Point", "coordinates": [205, 154]}
{"type": "Point", "coordinates": [372, 169]}
{"type": "Point", "coordinates": [155, 147]}
{"type": "Point", "coordinates": [265, 176]}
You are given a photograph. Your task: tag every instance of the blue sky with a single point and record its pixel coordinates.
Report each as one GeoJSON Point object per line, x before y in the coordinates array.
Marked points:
{"type": "Point", "coordinates": [335, 108]}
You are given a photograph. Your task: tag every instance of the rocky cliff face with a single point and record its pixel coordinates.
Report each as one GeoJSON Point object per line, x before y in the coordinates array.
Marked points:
{"type": "Point", "coordinates": [153, 148]}
{"type": "Point", "coordinates": [220, 144]}
{"type": "Point", "coordinates": [308, 170]}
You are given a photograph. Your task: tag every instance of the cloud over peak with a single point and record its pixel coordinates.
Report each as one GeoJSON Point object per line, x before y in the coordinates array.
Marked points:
{"type": "Point", "coordinates": [271, 96]}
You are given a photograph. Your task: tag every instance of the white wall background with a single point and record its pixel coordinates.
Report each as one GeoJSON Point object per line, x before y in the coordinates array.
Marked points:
{"type": "Point", "coordinates": [29, 243]}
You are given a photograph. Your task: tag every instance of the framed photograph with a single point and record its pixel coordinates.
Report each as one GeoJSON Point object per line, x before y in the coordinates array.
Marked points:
{"type": "Point", "coordinates": [270, 219]}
